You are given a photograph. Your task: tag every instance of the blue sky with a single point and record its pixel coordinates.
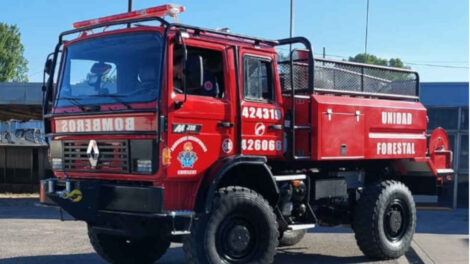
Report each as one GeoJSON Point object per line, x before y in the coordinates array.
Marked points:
{"type": "Point", "coordinates": [420, 32]}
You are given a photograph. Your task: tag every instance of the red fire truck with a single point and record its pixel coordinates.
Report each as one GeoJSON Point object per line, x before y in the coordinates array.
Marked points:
{"type": "Point", "coordinates": [161, 132]}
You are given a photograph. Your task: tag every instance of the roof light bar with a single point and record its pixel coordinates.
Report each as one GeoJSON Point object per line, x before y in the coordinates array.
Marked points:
{"type": "Point", "coordinates": [171, 10]}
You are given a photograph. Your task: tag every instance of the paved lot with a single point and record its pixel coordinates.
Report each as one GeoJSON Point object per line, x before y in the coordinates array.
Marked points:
{"type": "Point", "coordinates": [32, 235]}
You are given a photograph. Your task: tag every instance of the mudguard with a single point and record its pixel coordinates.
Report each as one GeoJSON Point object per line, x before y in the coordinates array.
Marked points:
{"type": "Point", "coordinates": [220, 169]}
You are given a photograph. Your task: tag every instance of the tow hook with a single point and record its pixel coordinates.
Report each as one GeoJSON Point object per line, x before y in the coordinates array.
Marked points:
{"type": "Point", "coordinates": [74, 196]}
{"type": "Point", "coordinates": [68, 194]}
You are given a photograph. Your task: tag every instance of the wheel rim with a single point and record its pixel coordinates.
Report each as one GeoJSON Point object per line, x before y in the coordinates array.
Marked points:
{"type": "Point", "coordinates": [396, 220]}
{"type": "Point", "coordinates": [236, 239]}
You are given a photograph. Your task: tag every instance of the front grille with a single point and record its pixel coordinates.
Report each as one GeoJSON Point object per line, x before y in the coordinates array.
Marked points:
{"type": "Point", "coordinates": [113, 156]}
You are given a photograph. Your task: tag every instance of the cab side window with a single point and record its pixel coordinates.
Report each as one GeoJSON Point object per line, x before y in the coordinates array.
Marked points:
{"type": "Point", "coordinates": [257, 79]}
{"type": "Point", "coordinates": [213, 74]}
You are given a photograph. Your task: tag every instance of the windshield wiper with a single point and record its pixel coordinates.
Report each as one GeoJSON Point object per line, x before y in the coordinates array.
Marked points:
{"type": "Point", "coordinates": [74, 101]}
{"type": "Point", "coordinates": [115, 97]}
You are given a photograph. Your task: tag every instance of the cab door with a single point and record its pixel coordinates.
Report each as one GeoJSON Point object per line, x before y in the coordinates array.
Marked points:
{"type": "Point", "coordinates": [201, 127]}
{"type": "Point", "coordinates": [261, 112]}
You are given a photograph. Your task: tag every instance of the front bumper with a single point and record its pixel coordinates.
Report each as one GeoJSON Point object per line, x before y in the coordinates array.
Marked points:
{"type": "Point", "coordinates": [115, 208]}
{"type": "Point", "coordinates": [87, 199]}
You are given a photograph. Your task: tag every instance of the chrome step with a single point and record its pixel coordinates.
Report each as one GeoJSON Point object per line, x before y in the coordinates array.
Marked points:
{"type": "Point", "coordinates": [300, 227]}
{"type": "Point", "coordinates": [180, 233]}
{"type": "Point", "coordinates": [445, 171]}
{"type": "Point", "coordinates": [292, 177]}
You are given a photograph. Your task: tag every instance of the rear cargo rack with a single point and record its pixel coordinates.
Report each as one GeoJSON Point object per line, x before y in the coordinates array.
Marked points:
{"type": "Point", "coordinates": [350, 78]}
{"type": "Point", "coordinates": [303, 75]}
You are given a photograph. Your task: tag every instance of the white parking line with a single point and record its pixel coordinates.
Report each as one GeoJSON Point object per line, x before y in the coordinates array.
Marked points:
{"type": "Point", "coordinates": [421, 253]}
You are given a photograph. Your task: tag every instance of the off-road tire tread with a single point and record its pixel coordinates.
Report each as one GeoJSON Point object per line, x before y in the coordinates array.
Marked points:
{"type": "Point", "coordinates": [153, 254]}
{"type": "Point", "coordinates": [191, 241]}
{"type": "Point", "coordinates": [365, 214]}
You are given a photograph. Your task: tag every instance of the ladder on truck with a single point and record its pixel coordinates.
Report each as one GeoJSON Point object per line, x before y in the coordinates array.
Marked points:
{"type": "Point", "coordinates": [308, 85]}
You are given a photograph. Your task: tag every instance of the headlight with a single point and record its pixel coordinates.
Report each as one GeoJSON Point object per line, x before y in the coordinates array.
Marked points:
{"type": "Point", "coordinates": [144, 156]}
{"type": "Point", "coordinates": [57, 164]}
{"type": "Point", "coordinates": [55, 150]}
{"type": "Point", "coordinates": [144, 166]}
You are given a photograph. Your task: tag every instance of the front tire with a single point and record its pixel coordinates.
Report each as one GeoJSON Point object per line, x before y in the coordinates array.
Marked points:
{"type": "Point", "coordinates": [241, 228]}
{"type": "Point", "coordinates": [125, 250]}
{"type": "Point", "coordinates": [385, 220]}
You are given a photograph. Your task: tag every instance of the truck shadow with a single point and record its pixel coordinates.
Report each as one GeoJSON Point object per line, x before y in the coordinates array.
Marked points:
{"type": "Point", "coordinates": [451, 222]}
{"type": "Point", "coordinates": [429, 222]}
{"type": "Point", "coordinates": [27, 208]}
{"type": "Point", "coordinates": [55, 259]}
{"type": "Point", "coordinates": [175, 256]}
{"type": "Point", "coordinates": [445, 222]}
{"type": "Point", "coordinates": [284, 256]}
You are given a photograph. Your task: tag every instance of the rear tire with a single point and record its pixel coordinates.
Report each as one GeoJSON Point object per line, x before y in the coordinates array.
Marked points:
{"type": "Point", "coordinates": [291, 237]}
{"type": "Point", "coordinates": [385, 220]}
{"type": "Point", "coordinates": [125, 250]}
{"type": "Point", "coordinates": [241, 228]}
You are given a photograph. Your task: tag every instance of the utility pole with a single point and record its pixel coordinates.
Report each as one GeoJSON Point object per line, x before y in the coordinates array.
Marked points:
{"type": "Point", "coordinates": [129, 9]}
{"type": "Point", "coordinates": [367, 29]}
{"type": "Point", "coordinates": [291, 34]}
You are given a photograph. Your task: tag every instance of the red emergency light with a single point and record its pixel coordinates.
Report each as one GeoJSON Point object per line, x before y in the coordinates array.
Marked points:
{"type": "Point", "coordinates": [158, 11]}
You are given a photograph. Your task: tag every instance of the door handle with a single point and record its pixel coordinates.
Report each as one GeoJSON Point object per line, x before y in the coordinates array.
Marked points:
{"type": "Point", "coordinates": [275, 127]}
{"type": "Point", "coordinates": [225, 124]}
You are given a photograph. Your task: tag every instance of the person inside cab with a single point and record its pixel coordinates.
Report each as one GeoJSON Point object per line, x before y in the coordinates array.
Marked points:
{"type": "Point", "coordinates": [210, 85]}
{"type": "Point", "coordinates": [212, 69]}
{"type": "Point", "coordinates": [178, 74]}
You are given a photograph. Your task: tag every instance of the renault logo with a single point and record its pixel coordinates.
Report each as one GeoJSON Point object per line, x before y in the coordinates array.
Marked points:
{"type": "Point", "coordinates": [93, 153]}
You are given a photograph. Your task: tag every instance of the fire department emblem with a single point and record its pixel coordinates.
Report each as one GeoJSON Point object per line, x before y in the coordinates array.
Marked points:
{"type": "Point", "coordinates": [93, 153]}
{"type": "Point", "coordinates": [187, 157]}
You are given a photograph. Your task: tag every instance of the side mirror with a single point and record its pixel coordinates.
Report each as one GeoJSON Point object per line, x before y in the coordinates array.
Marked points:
{"type": "Point", "coordinates": [48, 66]}
{"type": "Point", "coordinates": [47, 87]}
{"type": "Point", "coordinates": [47, 70]}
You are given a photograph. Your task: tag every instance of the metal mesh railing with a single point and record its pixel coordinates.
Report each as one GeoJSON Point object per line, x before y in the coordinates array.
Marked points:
{"type": "Point", "coordinates": [349, 77]}
{"type": "Point", "coordinates": [300, 75]}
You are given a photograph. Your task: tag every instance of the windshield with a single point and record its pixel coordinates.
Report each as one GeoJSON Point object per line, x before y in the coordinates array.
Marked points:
{"type": "Point", "coordinates": [118, 69]}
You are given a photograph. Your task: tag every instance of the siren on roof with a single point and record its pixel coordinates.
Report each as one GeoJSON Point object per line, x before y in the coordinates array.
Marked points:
{"type": "Point", "coordinates": [224, 30]}
{"type": "Point", "coordinates": [171, 10]}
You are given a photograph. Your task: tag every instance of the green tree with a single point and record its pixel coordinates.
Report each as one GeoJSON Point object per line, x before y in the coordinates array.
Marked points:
{"type": "Point", "coordinates": [13, 66]}
{"type": "Point", "coordinates": [372, 59]}
{"type": "Point", "coordinates": [396, 62]}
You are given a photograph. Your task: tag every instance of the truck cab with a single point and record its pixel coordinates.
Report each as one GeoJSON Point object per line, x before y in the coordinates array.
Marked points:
{"type": "Point", "coordinates": [170, 132]}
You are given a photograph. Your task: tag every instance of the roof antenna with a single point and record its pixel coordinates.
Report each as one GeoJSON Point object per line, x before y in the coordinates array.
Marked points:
{"type": "Point", "coordinates": [291, 31]}
{"type": "Point", "coordinates": [174, 11]}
